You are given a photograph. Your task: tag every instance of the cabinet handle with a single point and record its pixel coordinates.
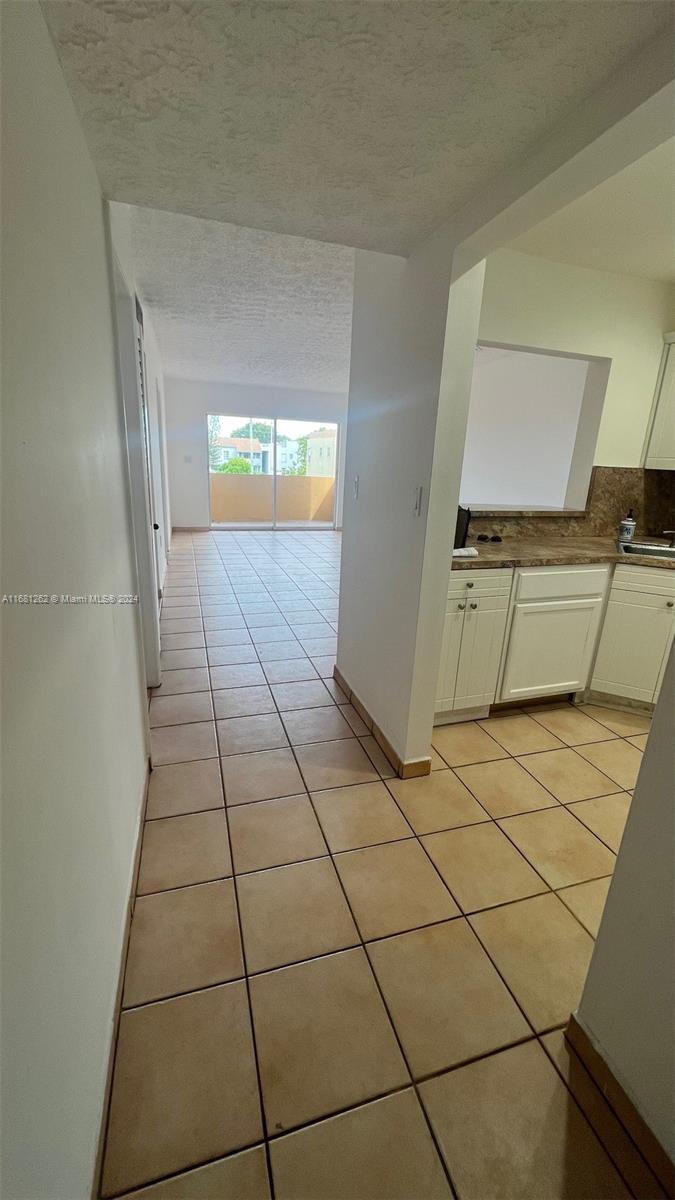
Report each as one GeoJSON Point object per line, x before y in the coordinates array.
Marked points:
{"type": "Point", "coordinates": [669, 603]}
{"type": "Point", "coordinates": [462, 606]}
{"type": "Point", "coordinates": [473, 604]}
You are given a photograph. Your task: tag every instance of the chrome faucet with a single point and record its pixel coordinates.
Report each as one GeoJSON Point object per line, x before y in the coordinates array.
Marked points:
{"type": "Point", "coordinates": [671, 534]}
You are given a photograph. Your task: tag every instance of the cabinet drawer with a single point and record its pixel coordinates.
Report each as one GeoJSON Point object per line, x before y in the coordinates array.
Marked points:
{"type": "Point", "coordinates": [495, 581]}
{"type": "Point", "coordinates": [559, 583]}
{"type": "Point", "coordinates": [659, 581]}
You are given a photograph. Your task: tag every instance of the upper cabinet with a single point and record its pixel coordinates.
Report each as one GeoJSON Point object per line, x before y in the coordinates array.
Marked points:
{"type": "Point", "coordinates": [660, 450]}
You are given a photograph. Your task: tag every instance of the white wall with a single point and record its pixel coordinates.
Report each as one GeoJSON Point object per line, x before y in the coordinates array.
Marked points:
{"type": "Point", "coordinates": [74, 753]}
{"type": "Point", "coordinates": [629, 999]}
{"type": "Point", "coordinates": [188, 403]}
{"type": "Point", "coordinates": [522, 428]}
{"type": "Point", "coordinates": [397, 351]}
{"type": "Point", "coordinates": [531, 301]}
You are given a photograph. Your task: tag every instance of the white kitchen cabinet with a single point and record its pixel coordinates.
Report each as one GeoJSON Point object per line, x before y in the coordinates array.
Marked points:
{"type": "Point", "coordinates": [637, 633]}
{"type": "Point", "coordinates": [473, 635]}
{"type": "Point", "coordinates": [553, 627]}
{"type": "Point", "coordinates": [660, 451]}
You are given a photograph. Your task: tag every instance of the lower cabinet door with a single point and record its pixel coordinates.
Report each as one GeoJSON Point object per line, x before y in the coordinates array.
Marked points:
{"type": "Point", "coordinates": [636, 636]}
{"type": "Point", "coordinates": [550, 647]}
{"type": "Point", "coordinates": [447, 673]}
{"type": "Point", "coordinates": [482, 641]}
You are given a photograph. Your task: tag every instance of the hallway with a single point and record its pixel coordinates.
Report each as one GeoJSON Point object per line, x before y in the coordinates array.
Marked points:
{"type": "Point", "coordinates": [313, 937]}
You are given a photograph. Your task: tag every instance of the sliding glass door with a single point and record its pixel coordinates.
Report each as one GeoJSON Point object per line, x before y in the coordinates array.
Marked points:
{"type": "Point", "coordinates": [305, 474]}
{"type": "Point", "coordinates": [271, 473]}
{"type": "Point", "coordinates": [241, 471]}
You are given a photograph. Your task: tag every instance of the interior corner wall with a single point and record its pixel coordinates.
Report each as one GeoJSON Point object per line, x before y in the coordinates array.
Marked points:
{"type": "Point", "coordinates": [531, 301]}
{"type": "Point", "coordinates": [74, 762]}
{"type": "Point", "coordinates": [189, 402]}
{"type": "Point", "coordinates": [398, 333]}
{"type": "Point", "coordinates": [629, 996]}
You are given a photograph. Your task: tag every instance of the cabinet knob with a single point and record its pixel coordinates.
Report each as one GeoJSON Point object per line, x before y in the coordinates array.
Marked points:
{"type": "Point", "coordinates": [669, 603]}
{"type": "Point", "coordinates": [469, 583]}
{"type": "Point", "coordinates": [473, 604]}
{"type": "Point", "coordinates": [462, 606]}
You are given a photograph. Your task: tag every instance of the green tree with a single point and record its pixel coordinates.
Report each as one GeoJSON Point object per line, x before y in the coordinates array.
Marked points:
{"type": "Point", "coordinates": [257, 429]}
{"type": "Point", "coordinates": [236, 466]}
{"type": "Point", "coordinates": [214, 433]}
{"type": "Point", "coordinates": [301, 462]}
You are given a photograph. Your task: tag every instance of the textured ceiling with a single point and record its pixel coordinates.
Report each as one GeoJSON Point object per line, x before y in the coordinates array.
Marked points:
{"type": "Point", "coordinates": [365, 123]}
{"type": "Point", "coordinates": [627, 224]}
{"type": "Point", "coordinates": [243, 305]}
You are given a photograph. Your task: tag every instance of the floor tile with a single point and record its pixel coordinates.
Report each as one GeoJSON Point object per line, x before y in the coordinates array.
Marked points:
{"type": "Point", "coordinates": [181, 641]}
{"type": "Point", "coordinates": [178, 610]}
{"type": "Point", "coordinates": [336, 691]}
{"type": "Point", "coordinates": [237, 675]}
{"type": "Point", "coordinates": [243, 702]}
{"type": "Point", "coordinates": [437, 763]}
{"type": "Point", "coordinates": [607, 1126]}
{"type": "Point", "coordinates": [508, 1127]}
{"type": "Point", "coordinates": [306, 725]}
{"type": "Point", "coordinates": [606, 816]}
{"type": "Point", "coordinates": [324, 1039]}
{"type": "Point", "coordinates": [465, 743]}
{"type": "Point", "coordinates": [542, 953]}
{"type": "Point", "coordinates": [436, 801]}
{"type": "Point", "coordinates": [567, 775]}
{"type": "Point", "coordinates": [182, 743]}
{"type": "Point", "coordinates": [587, 902]}
{"type": "Point", "coordinates": [572, 726]}
{"type": "Point", "coordinates": [519, 734]}
{"type": "Point", "coordinates": [178, 851]}
{"type": "Point", "coordinates": [184, 788]}
{"type": "Point", "coordinates": [392, 888]}
{"type": "Point", "coordinates": [193, 1054]}
{"type": "Point", "coordinates": [180, 709]}
{"type": "Point", "coordinates": [171, 660]}
{"type": "Point", "coordinates": [444, 996]}
{"type": "Point", "coordinates": [358, 725]}
{"type": "Point", "coordinates": [280, 651]}
{"type": "Point", "coordinates": [260, 776]}
{"type": "Point", "coordinates": [181, 941]}
{"type": "Point", "coordinates": [318, 647]}
{"type": "Point", "coordinates": [335, 764]}
{"type": "Point", "coordinates": [382, 1151]}
{"type": "Point", "coordinates": [240, 735]}
{"type": "Point", "coordinates": [559, 848]}
{"type": "Point", "coordinates": [362, 815]}
{"type": "Point", "coordinates": [228, 637]}
{"type": "Point", "coordinates": [621, 721]}
{"type": "Point", "coordinates": [289, 670]}
{"type": "Point", "coordinates": [306, 693]}
{"type": "Point", "coordinates": [193, 679]}
{"type": "Point", "coordinates": [324, 664]}
{"type": "Point", "coordinates": [186, 625]}
{"type": "Point", "coordinates": [639, 740]}
{"type": "Point", "coordinates": [378, 757]}
{"type": "Point", "coordinates": [292, 913]}
{"type": "Point", "coordinates": [274, 832]}
{"type": "Point", "coordinates": [505, 788]}
{"type": "Point", "coordinates": [227, 656]}
{"type": "Point", "coordinates": [481, 867]}
{"type": "Point", "coordinates": [617, 760]}
{"type": "Point", "coordinates": [265, 634]}
{"type": "Point", "coordinates": [242, 1176]}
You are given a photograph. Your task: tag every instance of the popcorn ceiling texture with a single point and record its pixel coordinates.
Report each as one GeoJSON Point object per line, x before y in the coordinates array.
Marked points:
{"type": "Point", "coordinates": [364, 123]}
{"type": "Point", "coordinates": [243, 305]}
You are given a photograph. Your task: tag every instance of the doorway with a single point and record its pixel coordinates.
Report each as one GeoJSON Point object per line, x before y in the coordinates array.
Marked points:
{"type": "Point", "coordinates": [271, 473]}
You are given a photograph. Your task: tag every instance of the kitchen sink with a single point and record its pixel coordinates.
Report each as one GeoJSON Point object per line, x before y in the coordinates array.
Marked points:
{"type": "Point", "coordinates": [650, 549]}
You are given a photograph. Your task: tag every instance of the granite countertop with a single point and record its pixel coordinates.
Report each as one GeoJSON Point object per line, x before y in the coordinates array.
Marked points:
{"type": "Point", "coordinates": [554, 552]}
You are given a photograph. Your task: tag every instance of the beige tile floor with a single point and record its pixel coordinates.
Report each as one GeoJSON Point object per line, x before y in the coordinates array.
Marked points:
{"type": "Point", "coordinates": [341, 985]}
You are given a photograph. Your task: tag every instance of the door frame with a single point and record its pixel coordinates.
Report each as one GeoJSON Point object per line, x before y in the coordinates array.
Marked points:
{"type": "Point", "coordinates": [273, 524]}
{"type": "Point", "coordinates": [129, 346]}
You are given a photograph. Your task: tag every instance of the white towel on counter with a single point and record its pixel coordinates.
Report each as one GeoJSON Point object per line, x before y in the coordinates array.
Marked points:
{"type": "Point", "coordinates": [465, 552]}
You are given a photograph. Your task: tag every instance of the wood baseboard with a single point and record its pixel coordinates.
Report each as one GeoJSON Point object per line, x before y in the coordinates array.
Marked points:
{"type": "Point", "coordinates": [648, 1145]}
{"type": "Point", "coordinates": [410, 769]}
{"type": "Point", "coordinates": [100, 1149]}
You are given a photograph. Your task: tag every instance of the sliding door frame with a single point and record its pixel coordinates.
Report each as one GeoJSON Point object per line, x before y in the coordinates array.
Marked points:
{"type": "Point", "coordinates": [274, 525]}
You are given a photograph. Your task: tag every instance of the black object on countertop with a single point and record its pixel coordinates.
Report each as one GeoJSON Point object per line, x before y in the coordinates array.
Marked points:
{"type": "Point", "coordinates": [462, 527]}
